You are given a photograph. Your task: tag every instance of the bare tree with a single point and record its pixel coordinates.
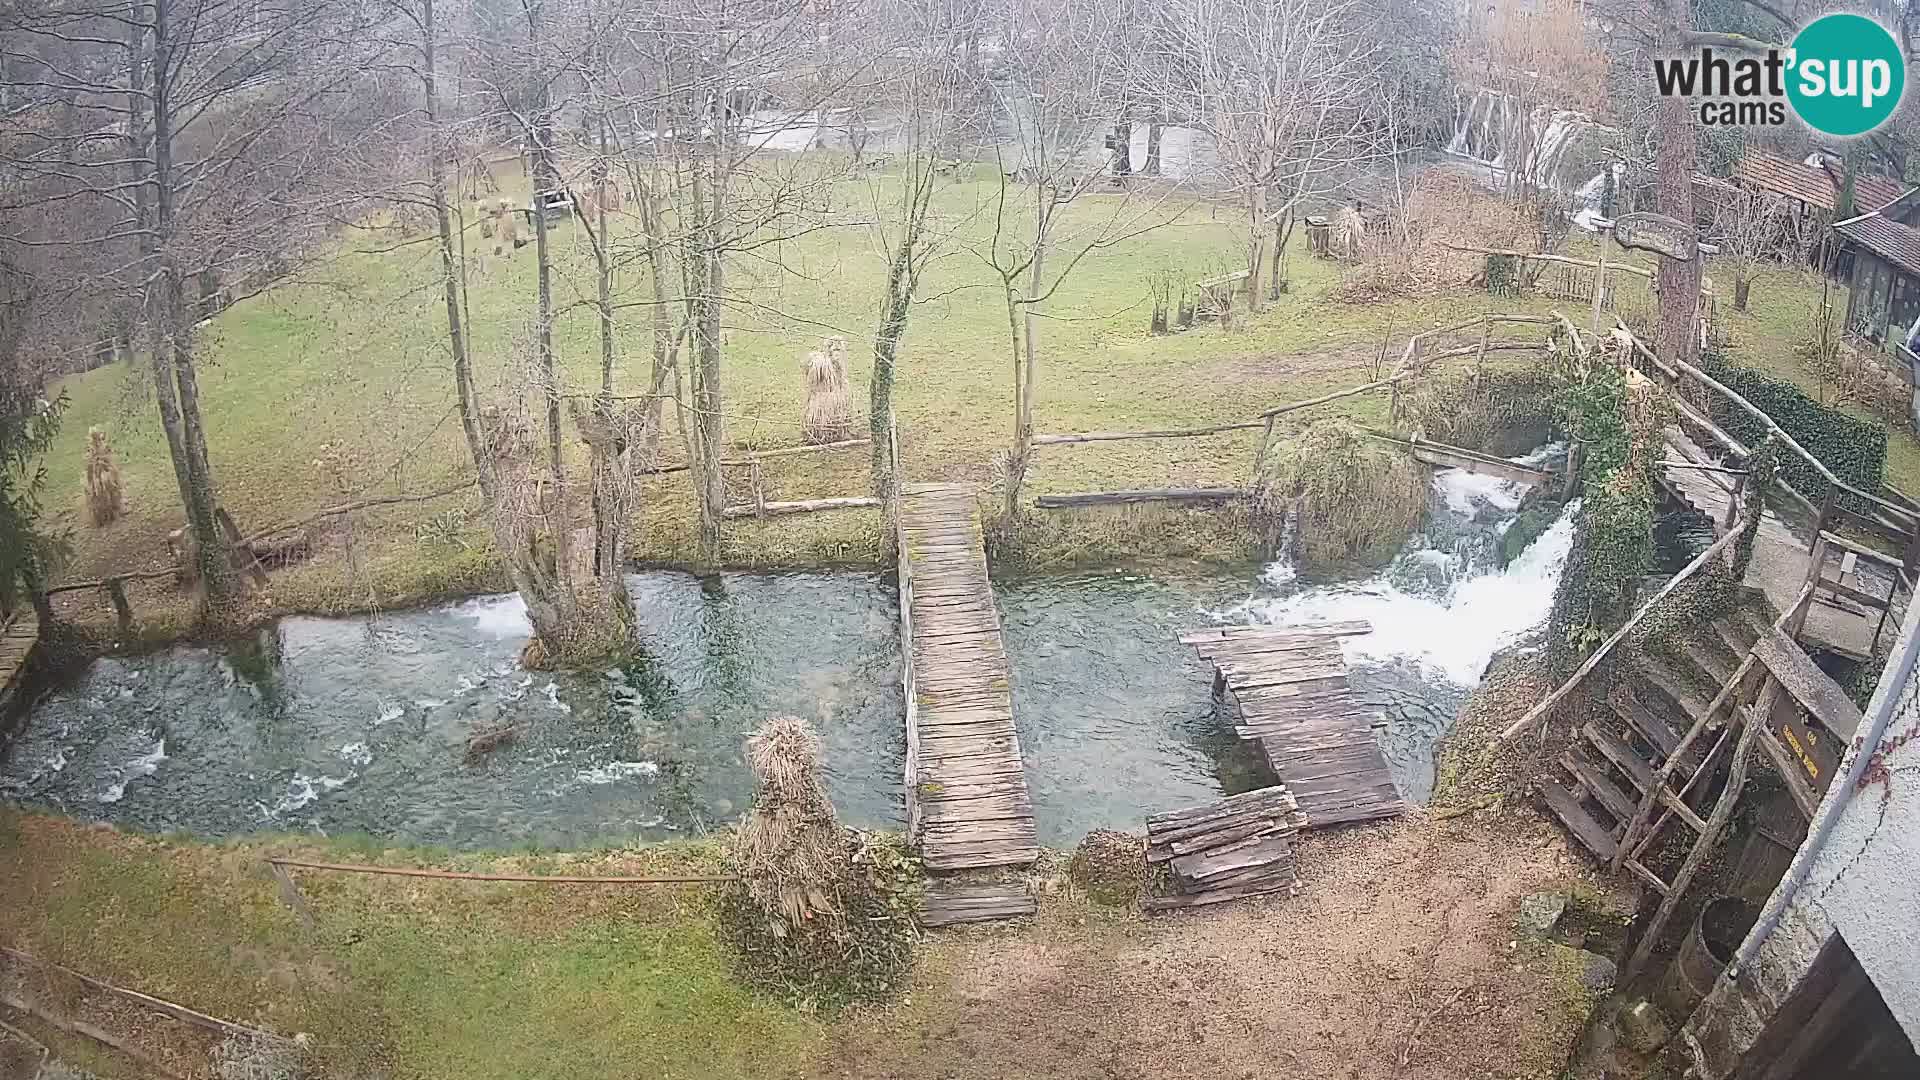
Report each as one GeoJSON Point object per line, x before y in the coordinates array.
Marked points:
{"type": "Point", "coordinates": [1751, 227]}
{"type": "Point", "coordinates": [207, 171]}
{"type": "Point", "coordinates": [1288, 91]}
{"type": "Point", "coordinates": [1063, 63]}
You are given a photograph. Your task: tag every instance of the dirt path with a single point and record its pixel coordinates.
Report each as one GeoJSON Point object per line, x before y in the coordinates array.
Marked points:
{"type": "Point", "coordinates": [1397, 932]}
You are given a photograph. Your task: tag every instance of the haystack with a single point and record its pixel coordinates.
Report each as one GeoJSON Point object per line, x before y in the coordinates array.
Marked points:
{"type": "Point", "coordinates": [104, 499]}
{"type": "Point", "coordinates": [792, 851]}
{"type": "Point", "coordinates": [829, 410]}
{"type": "Point", "coordinates": [822, 915]}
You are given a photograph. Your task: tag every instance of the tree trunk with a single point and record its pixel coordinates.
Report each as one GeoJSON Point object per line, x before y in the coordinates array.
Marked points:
{"type": "Point", "coordinates": [1256, 243]}
{"type": "Point", "coordinates": [1675, 159]}
{"type": "Point", "coordinates": [886, 346]}
{"type": "Point", "coordinates": [1152, 167]}
{"type": "Point", "coordinates": [709, 429]}
{"type": "Point", "coordinates": [173, 352]}
{"type": "Point", "coordinates": [1741, 287]}
{"type": "Point", "coordinates": [450, 277]}
{"type": "Point", "coordinates": [1123, 150]}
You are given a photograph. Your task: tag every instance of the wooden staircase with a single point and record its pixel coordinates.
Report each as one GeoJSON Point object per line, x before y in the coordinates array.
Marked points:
{"type": "Point", "coordinates": [1618, 760]}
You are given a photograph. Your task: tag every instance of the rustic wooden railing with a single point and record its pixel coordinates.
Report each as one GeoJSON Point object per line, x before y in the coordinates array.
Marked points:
{"type": "Point", "coordinates": [1415, 361]}
{"type": "Point", "coordinates": [762, 507]}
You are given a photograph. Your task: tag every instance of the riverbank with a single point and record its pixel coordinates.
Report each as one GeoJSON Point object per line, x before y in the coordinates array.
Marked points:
{"type": "Point", "coordinates": [1395, 953]}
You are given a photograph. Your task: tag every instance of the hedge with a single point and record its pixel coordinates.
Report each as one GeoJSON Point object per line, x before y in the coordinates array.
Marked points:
{"type": "Point", "coordinates": [1855, 449]}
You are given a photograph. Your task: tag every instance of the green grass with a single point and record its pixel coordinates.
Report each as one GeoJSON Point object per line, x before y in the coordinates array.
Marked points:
{"type": "Point", "coordinates": [407, 978]}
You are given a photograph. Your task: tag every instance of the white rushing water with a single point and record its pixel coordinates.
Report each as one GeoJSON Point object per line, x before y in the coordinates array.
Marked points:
{"type": "Point", "coordinates": [1444, 605]}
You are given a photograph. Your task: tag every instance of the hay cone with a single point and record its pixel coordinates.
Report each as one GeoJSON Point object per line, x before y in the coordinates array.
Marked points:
{"type": "Point", "coordinates": [828, 416]}
{"type": "Point", "coordinates": [104, 498]}
{"type": "Point", "coordinates": [792, 851]}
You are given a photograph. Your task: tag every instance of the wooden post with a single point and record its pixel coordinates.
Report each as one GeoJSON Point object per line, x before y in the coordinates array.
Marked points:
{"type": "Point", "coordinates": [1816, 561]}
{"type": "Point", "coordinates": [1480, 362]}
{"type": "Point", "coordinates": [1733, 504]}
{"type": "Point", "coordinates": [1826, 510]}
{"type": "Point", "coordinates": [1571, 483]}
{"type": "Point", "coordinates": [117, 592]}
{"type": "Point", "coordinates": [1599, 286]}
{"type": "Point", "coordinates": [1722, 810]}
{"type": "Point", "coordinates": [759, 492]}
{"type": "Point", "coordinates": [1260, 456]}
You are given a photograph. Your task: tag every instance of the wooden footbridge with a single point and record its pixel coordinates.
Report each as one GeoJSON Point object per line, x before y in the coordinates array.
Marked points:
{"type": "Point", "coordinates": [1291, 685]}
{"type": "Point", "coordinates": [18, 636]}
{"type": "Point", "coordinates": [967, 801]}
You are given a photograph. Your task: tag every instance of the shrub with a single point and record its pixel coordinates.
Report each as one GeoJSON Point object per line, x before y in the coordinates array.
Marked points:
{"type": "Point", "coordinates": [1349, 505]}
{"type": "Point", "coordinates": [1110, 866]}
{"type": "Point", "coordinates": [1855, 449]}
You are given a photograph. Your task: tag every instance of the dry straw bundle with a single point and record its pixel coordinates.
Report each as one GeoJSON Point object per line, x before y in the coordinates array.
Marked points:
{"type": "Point", "coordinates": [829, 409]}
{"type": "Point", "coordinates": [793, 853]}
{"type": "Point", "coordinates": [104, 499]}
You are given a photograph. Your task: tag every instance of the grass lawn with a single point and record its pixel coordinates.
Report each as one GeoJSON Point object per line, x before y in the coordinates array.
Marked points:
{"type": "Point", "coordinates": [404, 978]}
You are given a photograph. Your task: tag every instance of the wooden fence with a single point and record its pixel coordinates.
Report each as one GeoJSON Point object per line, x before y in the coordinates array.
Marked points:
{"type": "Point", "coordinates": [761, 507]}
{"type": "Point", "coordinates": [1419, 358]}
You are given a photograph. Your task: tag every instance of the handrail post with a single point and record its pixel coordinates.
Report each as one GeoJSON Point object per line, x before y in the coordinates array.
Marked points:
{"type": "Point", "coordinates": [1733, 504]}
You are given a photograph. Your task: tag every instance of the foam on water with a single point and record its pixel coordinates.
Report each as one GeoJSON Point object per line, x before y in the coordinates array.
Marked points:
{"type": "Point", "coordinates": [1447, 610]}
{"type": "Point", "coordinates": [498, 616]}
{"type": "Point", "coordinates": [613, 772]}
{"type": "Point", "coordinates": [144, 765]}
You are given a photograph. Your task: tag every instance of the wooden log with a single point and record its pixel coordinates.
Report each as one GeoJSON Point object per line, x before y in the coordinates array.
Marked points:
{"type": "Point", "coordinates": [1074, 438]}
{"type": "Point", "coordinates": [1141, 495]}
{"type": "Point", "coordinates": [803, 506]}
{"type": "Point", "coordinates": [178, 1012]}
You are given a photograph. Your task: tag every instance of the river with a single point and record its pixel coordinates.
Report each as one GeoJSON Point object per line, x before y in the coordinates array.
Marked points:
{"type": "Point", "coordinates": [359, 725]}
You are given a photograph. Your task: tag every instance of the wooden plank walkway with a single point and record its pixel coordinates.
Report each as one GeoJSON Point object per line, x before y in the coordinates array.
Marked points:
{"type": "Point", "coordinates": [17, 639]}
{"type": "Point", "coordinates": [967, 800]}
{"type": "Point", "coordinates": [1291, 685]}
{"type": "Point", "coordinates": [1780, 559]}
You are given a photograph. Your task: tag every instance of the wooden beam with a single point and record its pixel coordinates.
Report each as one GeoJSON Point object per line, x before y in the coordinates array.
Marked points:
{"type": "Point", "coordinates": [1538, 256]}
{"type": "Point", "coordinates": [1142, 495]}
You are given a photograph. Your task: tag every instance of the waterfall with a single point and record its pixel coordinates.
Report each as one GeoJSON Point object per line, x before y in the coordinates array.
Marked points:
{"type": "Point", "coordinates": [1484, 119]}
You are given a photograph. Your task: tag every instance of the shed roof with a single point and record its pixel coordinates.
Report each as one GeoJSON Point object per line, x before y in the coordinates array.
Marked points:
{"type": "Point", "coordinates": [1815, 185]}
{"type": "Point", "coordinates": [1897, 243]}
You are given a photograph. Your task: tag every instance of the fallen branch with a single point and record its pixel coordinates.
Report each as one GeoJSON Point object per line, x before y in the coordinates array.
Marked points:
{"type": "Point", "coordinates": [1115, 436]}
{"type": "Point", "coordinates": [1105, 498]}
{"type": "Point", "coordinates": [78, 1027]}
{"type": "Point", "coordinates": [532, 879]}
{"type": "Point", "coordinates": [1406, 1054]}
{"type": "Point", "coordinates": [358, 504]}
{"type": "Point", "coordinates": [178, 1012]}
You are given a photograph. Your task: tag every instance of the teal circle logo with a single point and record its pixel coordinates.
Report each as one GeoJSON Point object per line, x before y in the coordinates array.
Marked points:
{"type": "Point", "coordinates": [1846, 74]}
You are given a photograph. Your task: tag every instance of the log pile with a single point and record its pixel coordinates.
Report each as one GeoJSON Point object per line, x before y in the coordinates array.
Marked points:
{"type": "Point", "coordinates": [1239, 847]}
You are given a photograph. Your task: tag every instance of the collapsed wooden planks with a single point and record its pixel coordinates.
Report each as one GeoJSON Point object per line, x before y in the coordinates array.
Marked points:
{"type": "Point", "coordinates": [967, 800]}
{"type": "Point", "coordinates": [1290, 683]}
{"type": "Point", "coordinates": [1235, 848]}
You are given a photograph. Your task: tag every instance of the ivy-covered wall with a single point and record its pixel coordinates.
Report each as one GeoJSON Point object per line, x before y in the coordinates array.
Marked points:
{"type": "Point", "coordinates": [1618, 424]}
{"type": "Point", "coordinates": [1855, 449]}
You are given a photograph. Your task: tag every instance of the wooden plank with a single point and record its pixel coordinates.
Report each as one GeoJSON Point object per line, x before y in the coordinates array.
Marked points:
{"type": "Point", "coordinates": [1591, 834]}
{"type": "Point", "coordinates": [1807, 684]}
{"type": "Point", "coordinates": [1229, 858]}
{"type": "Point", "coordinates": [1070, 500]}
{"type": "Point", "coordinates": [1593, 777]}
